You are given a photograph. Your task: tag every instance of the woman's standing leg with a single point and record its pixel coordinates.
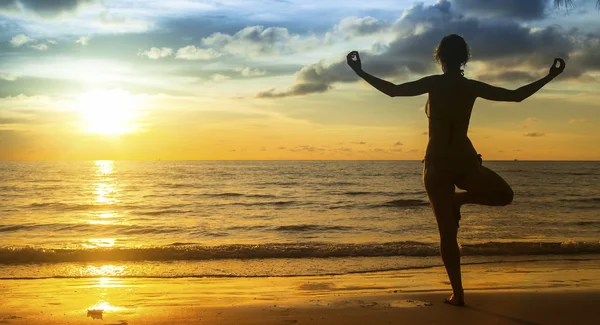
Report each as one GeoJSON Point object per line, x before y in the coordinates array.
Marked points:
{"type": "Point", "coordinates": [440, 190]}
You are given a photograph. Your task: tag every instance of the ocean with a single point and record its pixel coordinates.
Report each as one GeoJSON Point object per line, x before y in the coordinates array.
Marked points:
{"type": "Point", "coordinates": [275, 218]}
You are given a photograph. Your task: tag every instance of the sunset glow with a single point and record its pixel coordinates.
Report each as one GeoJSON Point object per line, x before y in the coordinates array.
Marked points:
{"type": "Point", "coordinates": [122, 80]}
{"type": "Point", "coordinates": [110, 112]}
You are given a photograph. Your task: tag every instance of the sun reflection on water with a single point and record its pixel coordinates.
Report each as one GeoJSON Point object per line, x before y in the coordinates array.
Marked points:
{"type": "Point", "coordinates": [105, 270]}
{"type": "Point", "coordinates": [105, 167]}
{"type": "Point", "coordinates": [105, 194]}
{"type": "Point", "coordinates": [105, 189]}
{"type": "Point", "coordinates": [105, 218]}
{"type": "Point", "coordinates": [99, 243]}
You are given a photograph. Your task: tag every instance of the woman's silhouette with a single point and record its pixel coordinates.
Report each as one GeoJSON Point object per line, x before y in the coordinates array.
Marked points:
{"type": "Point", "coordinates": [450, 158]}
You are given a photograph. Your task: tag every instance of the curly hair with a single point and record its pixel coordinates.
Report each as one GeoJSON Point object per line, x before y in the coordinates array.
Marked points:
{"type": "Point", "coordinates": [452, 50]}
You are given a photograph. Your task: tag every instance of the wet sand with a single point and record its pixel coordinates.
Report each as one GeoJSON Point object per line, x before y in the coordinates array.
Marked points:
{"type": "Point", "coordinates": [548, 292]}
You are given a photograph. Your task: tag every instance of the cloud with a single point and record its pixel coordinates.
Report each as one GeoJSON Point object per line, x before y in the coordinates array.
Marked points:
{"type": "Point", "coordinates": [21, 39]}
{"type": "Point", "coordinates": [8, 76]}
{"type": "Point", "coordinates": [315, 78]}
{"type": "Point", "coordinates": [526, 10]}
{"type": "Point", "coordinates": [83, 40]}
{"type": "Point", "coordinates": [258, 40]}
{"type": "Point", "coordinates": [578, 121]}
{"type": "Point", "coordinates": [51, 41]}
{"type": "Point", "coordinates": [44, 8]}
{"type": "Point", "coordinates": [156, 53]}
{"type": "Point", "coordinates": [296, 90]}
{"type": "Point", "coordinates": [192, 52]}
{"type": "Point", "coordinates": [351, 27]}
{"type": "Point", "coordinates": [249, 72]}
{"type": "Point", "coordinates": [39, 47]}
{"type": "Point", "coordinates": [499, 44]}
{"type": "Point", "coordinates": [508, 76]}
{"type": "Point", "coordinates": [528, 121]}
{"type": "Point", "coordinates": [588, 54]}
{"type": "Point", "coordinates": [116, 21]}
{"type": "Point", "coordinates": [306, 148]}
{"type": "Point", "coordinates": [534, 134]}
{"type": "Point", "coordinates": [219, 77]}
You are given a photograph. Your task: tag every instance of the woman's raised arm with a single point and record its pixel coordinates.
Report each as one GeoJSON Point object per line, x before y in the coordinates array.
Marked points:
{"type": "Point", "coordinates": [413, 88]}
{"type": "Point", "coordinates": [486, 91]}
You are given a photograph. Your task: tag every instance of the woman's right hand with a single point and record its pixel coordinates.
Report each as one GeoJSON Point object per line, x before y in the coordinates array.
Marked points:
{"type": "Point", "coordinates": [554, 70]}
{"type": "Point", "coordinates": [353, 60]}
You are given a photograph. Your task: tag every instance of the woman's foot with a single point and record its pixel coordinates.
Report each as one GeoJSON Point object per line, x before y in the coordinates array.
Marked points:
{"type": "Point", "coordinates": [455, 300]}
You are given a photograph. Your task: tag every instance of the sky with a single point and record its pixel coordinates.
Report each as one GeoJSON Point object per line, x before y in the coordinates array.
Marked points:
{"type": "Point", "coordinates": [267, 79]}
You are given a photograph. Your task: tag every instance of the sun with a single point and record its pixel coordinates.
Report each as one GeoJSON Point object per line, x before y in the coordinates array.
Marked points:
{"type": "Point", "coordinates": [110, 112]}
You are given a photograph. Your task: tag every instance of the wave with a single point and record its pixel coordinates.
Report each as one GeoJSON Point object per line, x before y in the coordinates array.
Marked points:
{"type": "Point", "coordinates": [96, 228]}
{"type": "Point", "coordinates": [189, 251]}
{"type": "Point", "coordinates": [73, 207]}
{"type": "Point", "coordinates": [161, 212]}
{"type": "Point", "coordinates": [401, 203]}
{"type": "Point", "coordinates": [359, 193]}
{"type": "Point", "coordinates": [7, 228]}
{"type": "Point", "coordinates": [268, 196]}
{"type": "Point", "coordinates": [584, 200]}
{"type": "Point", "coordinates": [301, 228]}
{"type": "Point", "coordinates": [263, 203]}
{"type": "Point", "coordinates": [585, 223]}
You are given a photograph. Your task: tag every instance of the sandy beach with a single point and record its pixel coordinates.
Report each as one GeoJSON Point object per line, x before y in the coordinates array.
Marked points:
{"type": "Point", "coordinates": [543, 292]}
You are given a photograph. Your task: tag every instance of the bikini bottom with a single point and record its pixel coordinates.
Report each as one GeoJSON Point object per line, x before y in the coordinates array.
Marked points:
{"type": "Point", "coordinates": [455, 168]}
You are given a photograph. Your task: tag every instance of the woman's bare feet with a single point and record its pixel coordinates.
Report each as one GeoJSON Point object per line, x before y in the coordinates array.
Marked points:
{"type": "Point", "coordinates": [455, 300]}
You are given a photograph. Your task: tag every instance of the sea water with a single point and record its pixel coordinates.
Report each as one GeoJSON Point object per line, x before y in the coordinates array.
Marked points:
{"type": "Point", "coordinates": [275, 218]}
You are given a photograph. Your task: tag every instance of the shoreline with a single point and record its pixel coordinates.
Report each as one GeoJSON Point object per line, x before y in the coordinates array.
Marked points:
{"type": "Point", "coordinates": [543, 292]}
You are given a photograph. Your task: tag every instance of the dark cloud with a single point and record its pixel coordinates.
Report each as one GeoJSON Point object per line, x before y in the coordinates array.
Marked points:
{"type": "Point", "coordinates": [507, 76]}
{"type": "Point", "coordinates": [503, 45]}
{"type": "Point", "coordinates": [9, 5]}
{"type": "Point", "coordinates": [534, 134]}
{"type": "Point", "coordinates": [296, 90]}
{"type": "Point", "coordinates": [306, 148]}
{"type": "Point", "coordinates": [523, 9]}
{"type": "Point", "coordinates": [590, 51]}
{"type": "Point", "coordinates": [44, 8]}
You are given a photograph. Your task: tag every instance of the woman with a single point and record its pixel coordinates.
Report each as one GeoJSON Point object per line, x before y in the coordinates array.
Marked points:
{"type": "Point", "coordinates": [450, 158]}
